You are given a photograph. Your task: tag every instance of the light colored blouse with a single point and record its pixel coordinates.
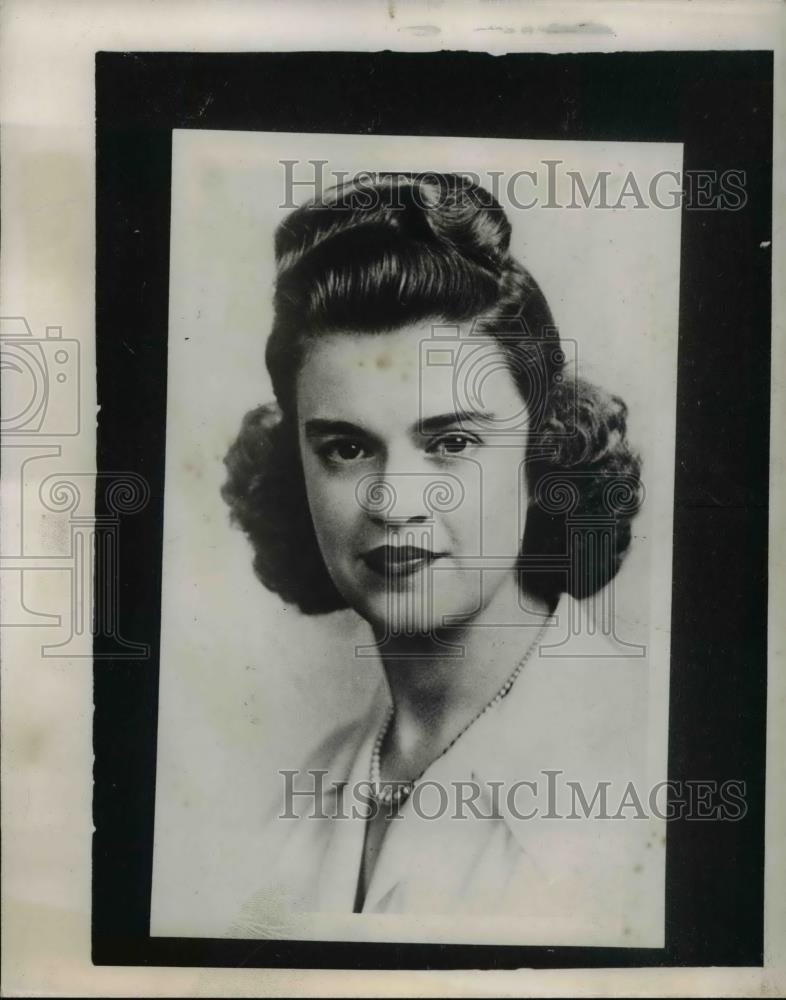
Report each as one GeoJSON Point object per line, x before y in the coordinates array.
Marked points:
{"type": "Point", "coordinates": [509, 849]}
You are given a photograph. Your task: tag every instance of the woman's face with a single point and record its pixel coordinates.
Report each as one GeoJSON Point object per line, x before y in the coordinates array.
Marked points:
{"type": "Point", "coordinates": [413, 450]}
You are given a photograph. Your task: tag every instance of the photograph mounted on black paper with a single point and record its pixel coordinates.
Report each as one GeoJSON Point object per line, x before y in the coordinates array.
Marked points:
{"type": "Point", "coordinates": [456, 542]}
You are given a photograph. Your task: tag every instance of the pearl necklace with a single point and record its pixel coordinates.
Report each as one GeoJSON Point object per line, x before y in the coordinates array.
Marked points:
{"type": "Point", "coordinates": [398, 792]}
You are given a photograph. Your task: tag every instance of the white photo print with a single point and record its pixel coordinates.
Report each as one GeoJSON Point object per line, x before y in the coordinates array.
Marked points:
{"type": "Point", "coordinates": [417, 540]}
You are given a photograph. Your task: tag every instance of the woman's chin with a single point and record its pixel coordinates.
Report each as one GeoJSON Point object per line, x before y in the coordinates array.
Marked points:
{"type": "Point", "coordinates": [395, 614]}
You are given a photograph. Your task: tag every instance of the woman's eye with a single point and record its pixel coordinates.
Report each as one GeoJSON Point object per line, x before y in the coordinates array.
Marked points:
{"type": "Point", "coordinates": [453, 444]}
{"type": "Point", "coordinates": [343, 452]}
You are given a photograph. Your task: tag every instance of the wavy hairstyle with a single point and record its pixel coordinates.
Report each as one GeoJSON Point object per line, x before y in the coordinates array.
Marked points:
{"type": "Point", "coordinates": [381, 253]}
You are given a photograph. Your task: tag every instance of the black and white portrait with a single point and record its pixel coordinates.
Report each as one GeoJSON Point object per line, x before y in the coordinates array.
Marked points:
{"type": "Point", "coordinates": [420, 433]}
{"type": "Point", "coordinates": [392, 498]}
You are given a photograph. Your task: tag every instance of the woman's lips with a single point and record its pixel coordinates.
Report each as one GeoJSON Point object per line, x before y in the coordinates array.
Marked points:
{"type": "Point", "coordinates": [398, 560]}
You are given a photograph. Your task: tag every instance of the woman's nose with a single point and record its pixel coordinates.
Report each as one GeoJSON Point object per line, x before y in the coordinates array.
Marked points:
{"type": "Point", "coordinates": [407, 495]}
{"type": "Point", "coordinates": [398, 493]}
{"type": "Point", "coordinates": [398, 498]}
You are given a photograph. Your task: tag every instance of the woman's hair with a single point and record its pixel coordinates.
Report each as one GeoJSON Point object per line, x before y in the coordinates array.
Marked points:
{"type": "Point", "coordinates": [382, 253]}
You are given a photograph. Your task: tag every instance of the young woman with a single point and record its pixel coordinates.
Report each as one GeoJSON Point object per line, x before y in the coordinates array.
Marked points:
{"type": "Point", "coordinates": [430, 463]}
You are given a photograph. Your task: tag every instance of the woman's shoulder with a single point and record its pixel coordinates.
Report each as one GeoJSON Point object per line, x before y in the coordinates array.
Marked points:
{"type": "Point", "coordinates": [334, 753]}
{"type": "Point", "coordinates": [328, 762]}
{"type": "Point", "coordinates": [336, 750]}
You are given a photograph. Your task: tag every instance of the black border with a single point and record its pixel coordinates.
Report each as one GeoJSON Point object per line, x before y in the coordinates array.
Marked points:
{"type": "Point", "coordinates": [720, 105]}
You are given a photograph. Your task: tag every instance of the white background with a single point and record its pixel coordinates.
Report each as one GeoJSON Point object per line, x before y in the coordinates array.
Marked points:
{"type": "Point", "coordinates": [47, 52]}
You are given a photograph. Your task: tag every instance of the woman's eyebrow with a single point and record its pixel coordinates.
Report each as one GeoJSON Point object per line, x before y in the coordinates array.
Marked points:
{"type": "Point", "coordinates": [437, 423]}
{"type": "Point", "coordinates": [318, 427]}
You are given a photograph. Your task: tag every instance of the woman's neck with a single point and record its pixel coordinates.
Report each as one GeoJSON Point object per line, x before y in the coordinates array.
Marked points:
{"type": "Point", "coordinates": [437, 689]}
